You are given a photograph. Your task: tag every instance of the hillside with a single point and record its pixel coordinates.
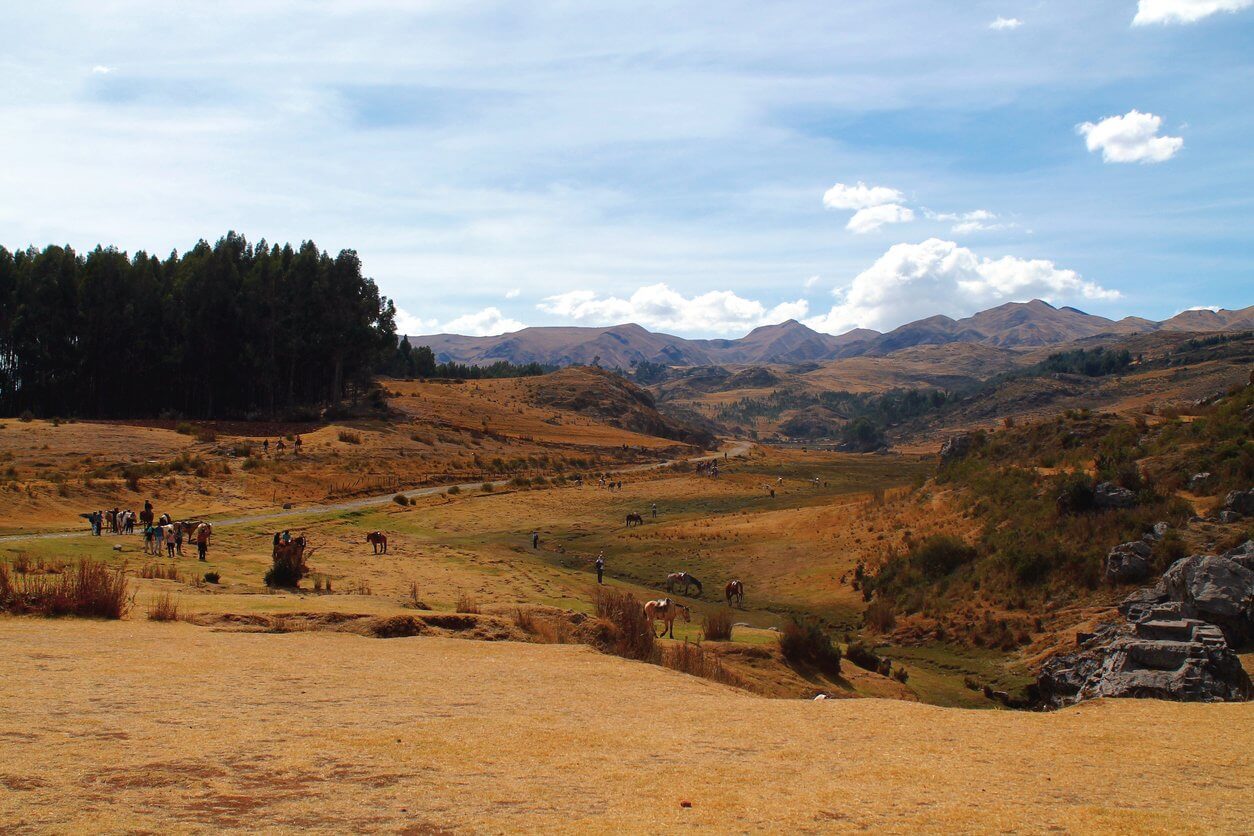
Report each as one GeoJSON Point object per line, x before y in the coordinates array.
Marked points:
{"type": "Point", "coordinates": [1015, 325]}
{"type": "Point", "coordinates": [428, 735]}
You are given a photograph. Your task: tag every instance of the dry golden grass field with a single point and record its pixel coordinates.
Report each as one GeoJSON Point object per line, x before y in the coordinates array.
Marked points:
{"type": "Point", "coordinates": [144, 727]}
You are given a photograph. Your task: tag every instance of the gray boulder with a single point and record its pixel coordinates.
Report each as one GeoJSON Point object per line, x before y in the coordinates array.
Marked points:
{"type": "Point", "coordinates": [1242, 555]}
{"type": "Point", "coordinates": [1200, 482]}
{"type": "Point", "coordinates": [1110, 495]}
{"type": "Point", "coordinates": [1128, 562]}
{"type": "Point", "coordinates": [1162, 658]}
{"type": "Point", "coordinates": [1240, 502]}
{"type": "Point", "coordinates": [1214, 589]}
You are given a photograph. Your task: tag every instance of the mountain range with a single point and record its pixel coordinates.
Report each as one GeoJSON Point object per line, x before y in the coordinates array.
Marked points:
{"type": "Point", "coordinates": [1012, 325]}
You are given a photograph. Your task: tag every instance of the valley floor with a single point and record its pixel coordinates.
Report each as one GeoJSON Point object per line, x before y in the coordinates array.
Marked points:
{"type": "Point", "coordinates": [141, 726]}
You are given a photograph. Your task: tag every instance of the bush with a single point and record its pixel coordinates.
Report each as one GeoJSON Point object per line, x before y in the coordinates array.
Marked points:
{"type": "Point", "coordinates": [900, 675]}
{"type": "Point", "coordinates": [879, 616]}
{"type": "Point", "coordinates": [212, 577]}
{"type": "Point", "coordinates": [401, 500]}
{"type": "Point", "coordinates": [165, 608]}
{"type": "Point", "coordinates": [288, 566]}
{"type": "Point", "coordinates": [160, 571]}
{"type": "Point", "coordinates": [861, 654]}
{"type": "Point", "coordinates": [634, 637]}
{"type": "Point", "coordinates": [717, 626]}
{"type": "Point", "coordinates": [183, 428]}
{"type": "Point", "coordinates": [939, 555]}
{"type": "Point", "coordinates": [90, 590]}
{"type": "Point", "coordinates": [453, 490]}
{"type": "Point", "coordinates": [694, 660]}
{"type": "Point", "coordinates": [466, 603]}
{"type": "Point", "coordinates": [349, 438]}
{"type": "Point", "coordinates": [206, 435]}
{"type": "Point", "coordinates": [808, 643]}
{"type": "Point", "coordinates": [486, 487]}
{"type": "Point", "coordinates": [242, 450]}
{"type": "Point", "coordinates": [1076, 495]}
{"type": "Point", "coordinates": [26, 417]}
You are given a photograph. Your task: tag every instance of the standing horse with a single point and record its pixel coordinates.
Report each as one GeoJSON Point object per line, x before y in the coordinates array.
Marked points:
{"type": "Point", "coordinates": [665, 610]}
{"type": "Point", "coordinates": [634, 519]}
{"type": "Point", "coordinates": [683, 579]}
{"type": "Point", "coordinates": [378, 541]}
{"type": "Point", "coordinates": [735, 589]}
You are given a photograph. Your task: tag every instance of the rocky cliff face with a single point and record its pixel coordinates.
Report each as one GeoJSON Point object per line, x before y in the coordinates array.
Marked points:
{"type": "Point", "coordinates": [1175, 642]}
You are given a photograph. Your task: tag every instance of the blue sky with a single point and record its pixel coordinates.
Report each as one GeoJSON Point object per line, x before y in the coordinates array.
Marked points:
{"type": "Point", "coordinates": [499, 164]}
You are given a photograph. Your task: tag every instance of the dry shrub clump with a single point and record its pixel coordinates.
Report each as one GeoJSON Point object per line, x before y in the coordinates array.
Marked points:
{"type": "Point", "coordinates": [690, 658]}
{"type": "Point", "coordinates": [634, 637]}
{"type": "Point", "coordinates": [165, 608]}
{"type": "Point", "coordinates": [807, 643]}
{"type": "Point", "coordinates": [879, 616]}
{"type": "Point", "coordinates": [90, 590]}
{"type": "Point", "coordinates": [289, 566]}
{"type": "Point", "coordinates": [717, 626]}
{"type": "Point", "coordinates": [349, 438]}
{"type": "Point", "coordinates": [546, 629]}
{"type": "Point", "coordinates": [159, 571]}
{"type": "Point", "coordinates": [466, 603]}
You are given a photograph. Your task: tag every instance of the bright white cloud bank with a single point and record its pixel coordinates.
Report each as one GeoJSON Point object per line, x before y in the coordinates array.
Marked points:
{"type": "Point", "coordinates": [872, 218]}
{"type": "Point", "coordinates": [1131, 138]}
{"type": "Point", "coordinates": [407, 323]}
{"type": "Point", "coordinates": [1183, 11]}
{"type": "Point", "coordinates": [1006, 23]}
{"type": "Point", "coordinates": [875, 205]}
{"type": "Point", "coordinates": [659, 307]}
{"type": "Point", "coordinates": [485, 323]}
{"type": "Point", "coordinates": [913, 281]}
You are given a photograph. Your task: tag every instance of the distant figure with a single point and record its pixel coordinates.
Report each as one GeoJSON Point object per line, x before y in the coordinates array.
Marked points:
{"type": "Point", "coordinates": [600, 568]}
{"type": "Point", "coordinates": [178, 539]}
{"type": "Point", "coordinates": [167, 534]}
{"type": "Point", "coordinates": [772, 493]}
{"type": "Point", "coordinates": [265, 446]}
{"type": "Point", "coordinates": [286, 537]}
{"type": "Point", "coordinates": [634, 519]}
{"type": "Point", "coordinates": [535, 539]}
{"type": "Point", "coordinates": [654, 509]}
{"type": "Point", "coordinates": [297, 443]}
{"type": "Point", "coordinates": [378, 541]}
{"type": "Point", "coordinates": [203, 531]}
{"type": "Point", "coordinates": [735, 590]}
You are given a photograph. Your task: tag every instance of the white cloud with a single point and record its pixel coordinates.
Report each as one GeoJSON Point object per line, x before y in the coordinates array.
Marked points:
{"type": "Point", "coordinates": [407, 323]}
{"type": "Point", "coordinates": [809, 283]}
{"type": "Point", "coordinates": [659, 307]}
{"type": "Point", "coordinates": [513, 293]}
{"type": "Point", "coordinates": [1131, 138]}
{"type": "Point", "coordinates": [101, 69]}
{"type": "Point", "coordinates": [860, 196]}
{"type": "Point", "coordinates": [1005, 23]}
{"type": "Point", "coordinates": [913, 281]}
{"type": "Point", "coordinates": [979, 220]}
{"type": "Point", "coordinates": [1211, 308]}
{"type": "Point", "coordinates": [485, 323]}
{"type": "Point", "coordinates": [873, 217]}
{"type": "Point", "coordinates": [1183, 11]}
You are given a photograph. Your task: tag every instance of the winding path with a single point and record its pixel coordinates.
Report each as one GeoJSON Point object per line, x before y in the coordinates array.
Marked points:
{"type": "Point", "coordinates": [737, 449]}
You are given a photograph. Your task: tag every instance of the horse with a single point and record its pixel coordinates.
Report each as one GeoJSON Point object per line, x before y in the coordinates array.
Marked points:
{"type": "Point", "coordinates": [188, 527]}
{"type": "Point", "coordinates": [378, 541]}
{"type": "Point", "coordinates": [735, 589]}
{"type": "Point", "coordinates": [665, 610]}
{"type": "Point", "coordinates": [682, 579]}
{"type": "Point", "coordinates": [634, 519]}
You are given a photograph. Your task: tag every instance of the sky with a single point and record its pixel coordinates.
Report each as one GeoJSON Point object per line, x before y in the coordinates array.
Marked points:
{"type": "Point", "coordinates": [698, 168]}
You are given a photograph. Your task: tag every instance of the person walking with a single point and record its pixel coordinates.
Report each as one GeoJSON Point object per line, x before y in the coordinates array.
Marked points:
{"type": "Point", "coordinates": [168, 536]}
{"type": "Point", "coordinates": [601, 568]}
{"type": "Point", "coordinates": [535, 539]}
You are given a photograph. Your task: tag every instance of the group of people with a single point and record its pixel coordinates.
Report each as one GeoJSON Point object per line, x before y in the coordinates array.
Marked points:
{"type": "Point", "coordinates": [161, 534]}
{"type": "Point", "coordinates": [117, 521]}
{"type": "Point", "coordinates": [709, 468]}
{"type": "Point", "coordinates": [280, 445]}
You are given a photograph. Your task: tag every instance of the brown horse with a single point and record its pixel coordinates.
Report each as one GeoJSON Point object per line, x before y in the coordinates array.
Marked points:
{"type": "Point", "coordinates": [378, 541]}
{"type": "Point", "coordinates": [634, 519]}
{"type": "Point", "coordinates": [684, 580]}
{"type": "Point", "coordinates": [665, 610]}
{"type": "Point", "coordinates": [735, 589]}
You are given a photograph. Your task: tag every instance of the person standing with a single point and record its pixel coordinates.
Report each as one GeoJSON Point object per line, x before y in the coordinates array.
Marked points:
{"type": "Point", "coordinates": [654, 509]}
{"type": "Point", "coordinates": [167, 534]}
{"type": "Point", "coordinates": [535, 539]}
{"type": "Point", "coordinates": [178, 538]}
{"type": "Point", "coordinates": [601, 568]}
{"type": "Point", "coordinates": [202, 540]}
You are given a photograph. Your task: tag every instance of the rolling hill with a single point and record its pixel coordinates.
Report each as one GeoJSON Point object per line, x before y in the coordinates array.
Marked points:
{"type": "Point", "coordinates": [1014, 325]}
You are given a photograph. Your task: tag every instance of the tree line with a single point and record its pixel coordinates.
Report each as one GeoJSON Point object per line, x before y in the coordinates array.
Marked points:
{"type": "Point", "coordinates": [228, 330]}
{"type": "Point", "coordinates": [420, 362]}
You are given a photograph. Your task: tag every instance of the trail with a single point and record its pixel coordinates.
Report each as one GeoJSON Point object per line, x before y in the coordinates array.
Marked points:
{"type": "Point", "coordinates": [737, 450]}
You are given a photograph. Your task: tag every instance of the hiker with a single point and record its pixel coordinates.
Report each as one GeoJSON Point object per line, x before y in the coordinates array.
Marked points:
{"type": "Point", "coordinates": [167, 534]}
{"type": "Point", "coordinates": [535, 539]}
{"type": "Point", "coordinates": [202, 539]}
{"type": "Point", "coordinates": [287, 537]}
{"type": "Point", "coordinates": [178, 539]}
{"type": "Point", "coordinates": [265, 446]}
{"type": "Point", "coordinates": [654, 509]}
{"type": "Point", "coordinates": [297, 443]}
{"type": "Point", "coordinates": [601, 568]}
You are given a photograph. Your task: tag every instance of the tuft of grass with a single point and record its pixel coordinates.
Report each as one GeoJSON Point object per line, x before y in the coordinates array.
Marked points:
{"type": "Point", "coordinates": [165, 608]}
{"type": "Point", "coordinates": [879, 616]}
{"type": "Point", "coordinates": [717, 626]}
{"type": "Point", "coordinates": [348, 437]}
{"type": "Point", "coordinates": [454, 490]}
{"type": "Point", "coordinates": [90, 590]}
{"type": "Point", "coordinates": [486, 487]}
{"type": "Point", "coordinates": [160, 571]}
{"type": "Point", "coordinates": [633, 633]}
{"type": "Point", "coordinates": [692, 659]}
{"type": "Point", "coordinates": [213, 577]}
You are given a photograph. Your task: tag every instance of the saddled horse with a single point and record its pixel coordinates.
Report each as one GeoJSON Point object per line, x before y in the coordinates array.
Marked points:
{"type": "Point", "coordinates": [735, 589]}
{"type": "Point", "coordinates": [665, 610]}
{"type": "Point", "coordinates": [188, 527]}
{"type": "Point", "coordinates": [378, 541]}
{"type": "Point", "coordinates": [684, 580]}
{"type": "Point", "coordinates": [634, 519]}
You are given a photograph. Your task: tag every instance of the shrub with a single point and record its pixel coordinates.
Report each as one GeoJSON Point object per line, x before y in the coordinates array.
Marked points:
{"type": "Point", "coordinates": [807, 643]}
{"type": "Point", "coordinates": [940, 554]}
{"type": "Point", "coordinates": [26, 417]}
{"type": "Point", "coordinates": [900, 675]}
{"type": "Point", "coordinates": [349, 438]}
{"type": "Point", "coordinates": [288, 566]}
{"type": "Point", "coordinates": [212, 577]}
{"type": "Point", "coordinates": [401, 500]}
{"type": "Point", "coordinates": [863, 656]}
{"type": "Point", "coordinates": [242, 450]}
{"type": "Point", "coordinates": [692, 659]}
{"type": "Point", "coordinates": [160, 571]}
{"type": "Point", "coordinates": [165, 608]}
{"type": "Point", "coordinates": [466, 603]}
{"type": "Point", "coordinates": [183, 428]}
{"type": "Point", "coordinates": [879, 616]}
{"type": "Point", "coordinates": [1076, 495]}
{"type": "Point", "coordinates": [486, 487]}
{"type": "Point", "coordinates": [717, 626]}
{"type": "Point", "coordinates": [206, 435]}
{"type": "Point", "coordinates": [90, 590]}
{"type": "Point", "coordinates": [634, 637]}
{"type": "Point", "coordinates": [453, 490]}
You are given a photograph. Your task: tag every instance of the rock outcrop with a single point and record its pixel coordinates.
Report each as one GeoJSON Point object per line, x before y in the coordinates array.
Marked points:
{"type": "Point", "coordinates": [1175, 642]}
{"type": "Point", "coordinates": [957, 447]}
{"type": "Point", "coordinates": [1128, 562]}
{"type": "Point", "coordinates": [1240, 503]}
{"type": "Point", "coordinates": [1110, 495]}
